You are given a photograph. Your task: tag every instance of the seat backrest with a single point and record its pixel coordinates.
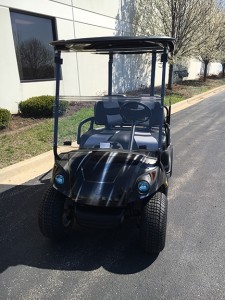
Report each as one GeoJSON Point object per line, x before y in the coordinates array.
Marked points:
{"type": "Point", "coordinates": [108, 112]}
{"type": "Point", "coordinates": [154, 103]}
{"type": "Point", "coordinates": [156, 117]}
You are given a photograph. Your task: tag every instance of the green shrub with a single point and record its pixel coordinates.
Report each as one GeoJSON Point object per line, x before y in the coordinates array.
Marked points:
{"type": "Point", "coordinates": [5, 117]}
{"type": "Point", "coordinates": [41, 107]}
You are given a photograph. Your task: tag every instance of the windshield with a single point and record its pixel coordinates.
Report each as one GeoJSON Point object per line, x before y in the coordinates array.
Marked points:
{"type": "Point", "coordinates": [110, 122]}
{"type": "Point", "coordinates": [129, 116]}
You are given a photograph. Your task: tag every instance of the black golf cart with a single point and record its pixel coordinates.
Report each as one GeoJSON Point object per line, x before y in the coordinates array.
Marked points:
{"type": "Point", "coordinates": [124, 155]}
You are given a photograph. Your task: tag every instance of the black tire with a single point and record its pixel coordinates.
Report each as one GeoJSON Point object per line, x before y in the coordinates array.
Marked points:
{"type": "Point", "coordinates": [153, 224]}
{"type": "Point", "coordinates": [55, 218]}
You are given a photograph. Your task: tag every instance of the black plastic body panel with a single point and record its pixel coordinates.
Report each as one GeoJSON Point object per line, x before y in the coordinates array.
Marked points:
{"type": "Point", "coordinates": [102, 178]}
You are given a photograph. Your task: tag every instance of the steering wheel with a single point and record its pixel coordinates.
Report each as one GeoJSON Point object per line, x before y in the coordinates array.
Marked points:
{"type": "Point", "coordinates": [135, 112]}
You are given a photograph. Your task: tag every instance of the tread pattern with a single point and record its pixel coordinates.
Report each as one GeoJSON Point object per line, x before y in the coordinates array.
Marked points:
{"type": "Point", "coordinates": [153, 224]}
{"type": "Point", "coordinates": [50, 215]}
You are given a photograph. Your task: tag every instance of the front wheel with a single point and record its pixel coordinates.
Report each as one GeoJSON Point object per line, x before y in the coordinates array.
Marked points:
{"type": "Point", "coordinates": [56, 216]}
{"type": "Point", "coordinates": [153, 224]}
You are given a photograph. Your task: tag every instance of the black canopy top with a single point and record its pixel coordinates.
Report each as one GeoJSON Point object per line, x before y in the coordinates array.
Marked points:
{"type": "Point", "coordinates": [116, 44]}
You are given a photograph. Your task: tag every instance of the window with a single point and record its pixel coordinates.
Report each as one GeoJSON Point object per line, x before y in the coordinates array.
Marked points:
{"type": "Point", "coordinates": [35, 57]}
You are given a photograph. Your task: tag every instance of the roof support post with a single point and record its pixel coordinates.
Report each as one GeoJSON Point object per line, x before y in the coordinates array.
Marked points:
{"type": "Point", "coordinates": [164, 59]}
{"type": "Point", "coordinates": [110, 63]}
{"type": "Point", "coordinates": [58, 62]}
{"type": "Point", "coordinates": [152, 89]}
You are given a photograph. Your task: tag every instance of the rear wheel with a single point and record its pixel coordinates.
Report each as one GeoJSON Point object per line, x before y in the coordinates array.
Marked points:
{"type": "Point", "coordinates": [153, 224]}
{"type": "Point", "coordinates": [56, 216]}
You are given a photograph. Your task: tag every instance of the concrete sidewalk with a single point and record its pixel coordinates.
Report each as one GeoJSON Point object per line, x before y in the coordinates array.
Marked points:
{"type": "Point", "coordinates": [24, 171]}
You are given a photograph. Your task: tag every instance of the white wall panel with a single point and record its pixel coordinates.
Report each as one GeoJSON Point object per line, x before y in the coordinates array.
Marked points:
{"type": "Point", "coordinates": [83, 16]}
{"type": "Point", "coordinates": [30, 89]}
{"type": "Point", "coordinates": [65, 29]}
{"type": "Point", "coordinates": [105, 7]}
{"type": "Point", "coordinates": [84, 30]}
{"type": "Point", "coordinates": [194, 69]}
{"type": "Point", "coordinates": [67, 2]}
{"type": "Point", "coordinates": [10, 92]}
{"type": "Point", "coordinates": [45, 7]}
{"type": "Point", "coordinates": [70, 77]}
{"type": "Point", "coordinates": [214, 68]}
{"type": "Point", "coordinates": [93, 73]}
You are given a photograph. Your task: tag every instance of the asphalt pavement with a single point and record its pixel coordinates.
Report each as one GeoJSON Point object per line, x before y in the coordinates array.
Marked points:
{"type": "Point", "coordinates": [109, 264]}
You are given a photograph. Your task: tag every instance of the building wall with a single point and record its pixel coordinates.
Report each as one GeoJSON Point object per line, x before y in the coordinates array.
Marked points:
{"type": "Point", "coordinates": [195, 69]}
{"type": "Point", "coordinates": [74, 19]}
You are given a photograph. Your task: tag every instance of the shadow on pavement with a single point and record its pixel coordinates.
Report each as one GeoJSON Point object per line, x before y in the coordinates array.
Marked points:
{"type": "Point", "coordinates": [21, 243]}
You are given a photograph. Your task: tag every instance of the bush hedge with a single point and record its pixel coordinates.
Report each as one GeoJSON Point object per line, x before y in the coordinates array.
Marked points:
{"type": "Point", "coordinates": [40, 107]}
{"type": "Point", "coordinates": [5, 117]}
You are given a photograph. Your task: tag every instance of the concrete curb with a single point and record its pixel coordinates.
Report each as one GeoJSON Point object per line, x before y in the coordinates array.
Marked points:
{"type": "Point", "coordinates": [28, 169]}
{"type": "Point", "coordinates": [195, 99]}
{"type": "Point", "coordinates": [24, 171]}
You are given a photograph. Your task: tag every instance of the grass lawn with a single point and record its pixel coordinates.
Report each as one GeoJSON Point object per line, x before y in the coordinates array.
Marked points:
{"type": "Point", "coordinates": [25, 144]}
{"type": "Point", "coordinates": [20, 145]}
{"type": "Point", "coordinates": [16, 147]}
{"type": "Point", "coordinates": [173, 98]}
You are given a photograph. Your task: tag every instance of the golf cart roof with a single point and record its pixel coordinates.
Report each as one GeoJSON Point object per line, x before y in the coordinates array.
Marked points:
{"type": "Point", "coordinates": [116, 44]}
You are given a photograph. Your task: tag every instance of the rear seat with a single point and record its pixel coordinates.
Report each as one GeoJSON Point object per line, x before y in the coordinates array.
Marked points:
{"type": "Point", "coordinates": [107, 113]}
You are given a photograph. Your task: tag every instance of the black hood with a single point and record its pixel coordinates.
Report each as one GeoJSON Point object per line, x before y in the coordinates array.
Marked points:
{"type": "Point", "coordinates": [105, 178]}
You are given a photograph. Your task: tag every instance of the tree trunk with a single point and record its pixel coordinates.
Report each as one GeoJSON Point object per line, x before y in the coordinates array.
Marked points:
{"type": "Point", "coordinates": [206, 62]}
{"type": "Point", "coordinates": [223, 69]}
{"type": "Point", "coordinates": [170, 79]}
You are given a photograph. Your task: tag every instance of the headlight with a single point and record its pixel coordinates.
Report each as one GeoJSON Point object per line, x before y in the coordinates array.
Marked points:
{"type": "Point", "coordinates": [143, 187]}
{"type": "Point", "coordinates": [59, 179]}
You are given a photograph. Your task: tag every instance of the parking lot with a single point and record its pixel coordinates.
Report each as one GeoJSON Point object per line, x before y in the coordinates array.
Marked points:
{"type": "Point", "coordinates": [108, 264]}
